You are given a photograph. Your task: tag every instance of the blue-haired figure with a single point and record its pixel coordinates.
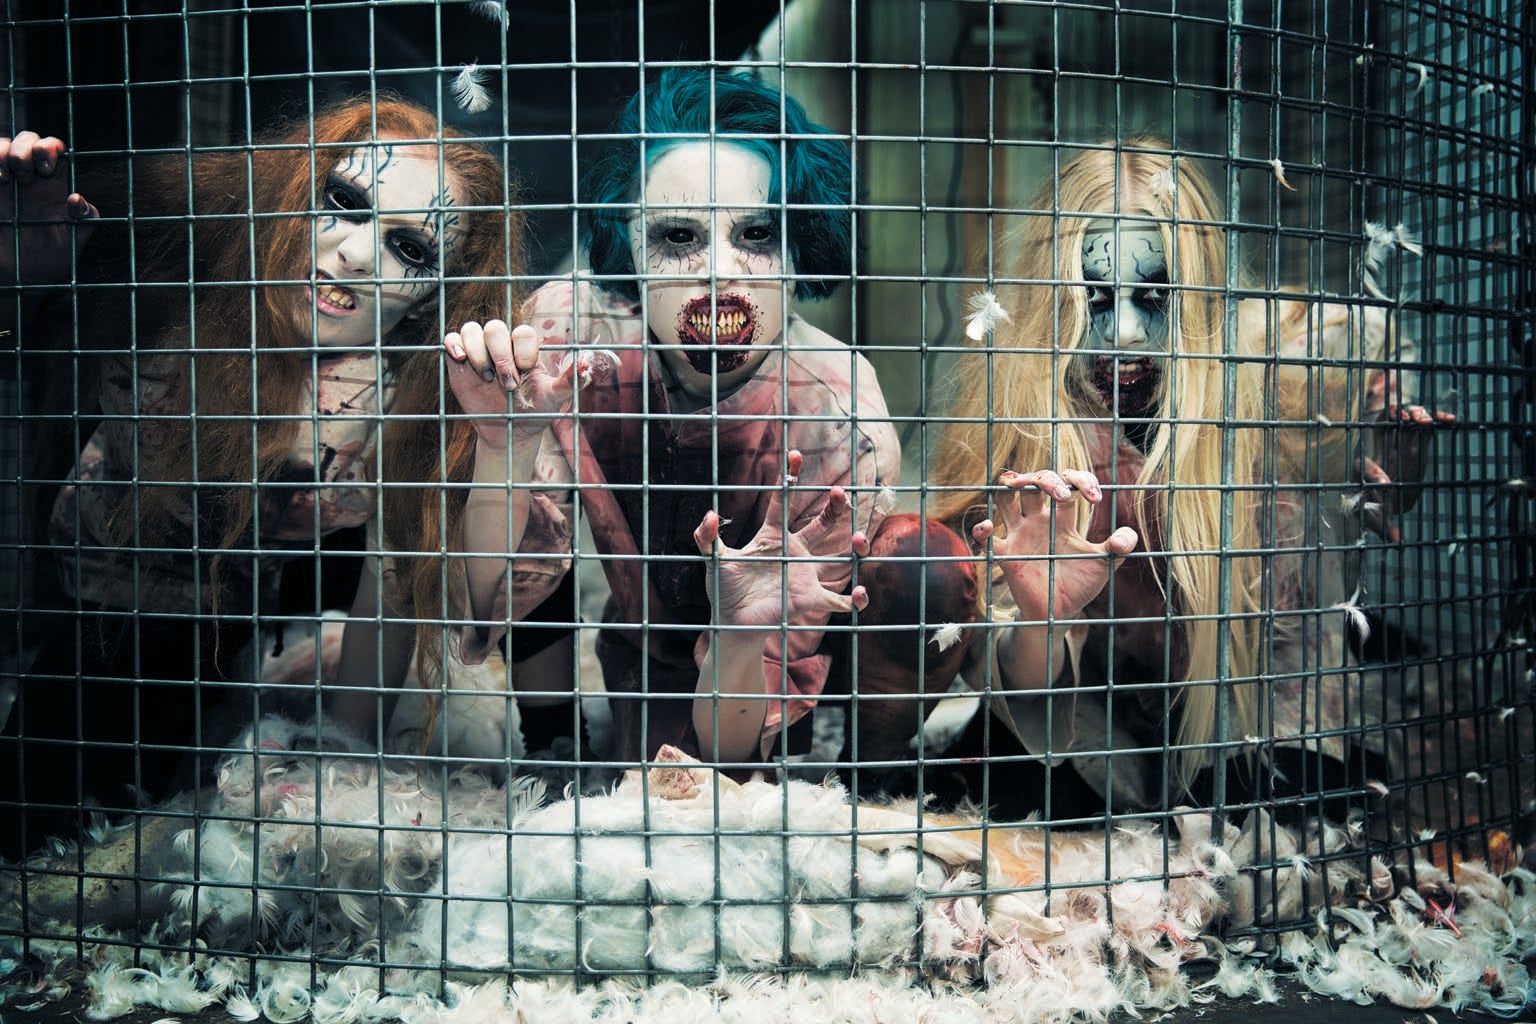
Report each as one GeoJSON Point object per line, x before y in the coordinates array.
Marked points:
{"type": "Point", "coordinates": [710, 420]}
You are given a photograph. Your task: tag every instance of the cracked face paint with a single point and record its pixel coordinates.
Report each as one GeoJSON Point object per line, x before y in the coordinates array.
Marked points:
{"type": "Point", "coordinates": [1126, 270]}
{"type": "Point", "coordinates": [388, 223]}
{"type": "Point", "coordinates": [713, 256]}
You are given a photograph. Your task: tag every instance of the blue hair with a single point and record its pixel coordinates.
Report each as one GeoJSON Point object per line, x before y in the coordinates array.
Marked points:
{"type": "Point", "coordinates": [815, 179]}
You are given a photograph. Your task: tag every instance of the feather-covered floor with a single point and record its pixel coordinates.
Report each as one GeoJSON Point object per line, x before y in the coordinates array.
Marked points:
{"type": "Point", "coordinates": [303, 860]}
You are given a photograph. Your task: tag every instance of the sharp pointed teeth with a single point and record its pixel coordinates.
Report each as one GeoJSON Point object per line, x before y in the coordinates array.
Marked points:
{"type": "Point", "coordinates": [727, 322]}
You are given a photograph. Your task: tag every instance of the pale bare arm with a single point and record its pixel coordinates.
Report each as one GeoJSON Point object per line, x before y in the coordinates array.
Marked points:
{"type": "Point", "coordinates": [756, 589]}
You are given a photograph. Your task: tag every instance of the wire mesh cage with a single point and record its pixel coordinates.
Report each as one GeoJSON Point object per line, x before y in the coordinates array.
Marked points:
{"type": "Point", "coordinates": [1029, 497]}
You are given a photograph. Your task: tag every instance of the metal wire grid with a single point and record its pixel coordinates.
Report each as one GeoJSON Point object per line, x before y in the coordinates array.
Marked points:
{"type": "Point", "coordinates": [1332, 118]}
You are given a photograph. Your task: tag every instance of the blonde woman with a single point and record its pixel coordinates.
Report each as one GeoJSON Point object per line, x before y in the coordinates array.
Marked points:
{"type": "Point", "coordinates": [1120, 413]}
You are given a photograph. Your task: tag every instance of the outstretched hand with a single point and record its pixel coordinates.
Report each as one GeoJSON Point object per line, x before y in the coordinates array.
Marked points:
{"type": "Point", "coordinates": [53, 222]}
{"type": "Point", "coordinates": [1052, 570]}
{"type": "Point", "coordinates": [773, 579]}
{"type": "Point", "coordinates": [499, 373]}
{"type": "Point", "coordinates": [1404, 446]}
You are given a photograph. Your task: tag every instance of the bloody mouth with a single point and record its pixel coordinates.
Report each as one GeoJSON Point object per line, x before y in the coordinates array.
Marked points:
{"type": "Point", "coordinates": [1127, 385]}
{"type": "Point", "coordinates": [725, 320]}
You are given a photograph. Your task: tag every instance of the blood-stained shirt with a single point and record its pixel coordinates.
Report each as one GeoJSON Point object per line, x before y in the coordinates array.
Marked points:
{"type": "Point", "coordinates": [324, 486]}
{"type": "Point", "coordinates": [644, 476]}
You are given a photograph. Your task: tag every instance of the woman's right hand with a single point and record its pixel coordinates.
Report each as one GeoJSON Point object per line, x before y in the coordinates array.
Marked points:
{"type": "Point", "coordinates": [60, 221]}
{"type": "Point", "coordinates": [1052, 570]}
{"type": "Point", "coordinates": [499, 375]}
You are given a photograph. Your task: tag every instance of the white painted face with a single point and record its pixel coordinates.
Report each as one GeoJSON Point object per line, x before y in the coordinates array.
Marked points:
{"type": "Point", "coordinates": [1126, 268]}
{"type": "Point", "coordinates": [704, 225]}
{"type": "Point", "coordinates": [378, 251]}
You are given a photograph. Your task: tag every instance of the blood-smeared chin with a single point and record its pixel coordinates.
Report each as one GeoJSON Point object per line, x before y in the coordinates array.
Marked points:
{"type": "Point", "coordinates": [726, 321]}
{"type": "Point", "coordinates": [1132, 381]}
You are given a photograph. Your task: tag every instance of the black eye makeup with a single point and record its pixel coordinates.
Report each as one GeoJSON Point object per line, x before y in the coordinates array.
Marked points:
{"type": "Point", "coordinates": [346, 199]}
{"type": "Point", "coordinates": [680, 233]}
{"type": "Point", "coordinates": [674, 236]}
{"type": "Point", "coordinates": [419, 252]}
{"type": "Point", "coordinates": [759, 234]}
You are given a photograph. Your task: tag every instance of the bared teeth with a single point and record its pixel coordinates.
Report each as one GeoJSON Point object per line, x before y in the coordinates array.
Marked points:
{"type": "Point", "coordinates": [727, 322]}
{"type": "Point", "coordinates": [335, 296]}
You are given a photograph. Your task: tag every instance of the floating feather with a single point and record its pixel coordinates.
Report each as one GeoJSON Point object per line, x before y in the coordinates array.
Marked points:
{"type": "Point", "coordinates": [947, 635]}
{"type": "Point", "coordinates": [469, 89]}
{"type": "Point", "coordinates": [984, 316]}
{"type": "Point", "coordinates": [491, 10]}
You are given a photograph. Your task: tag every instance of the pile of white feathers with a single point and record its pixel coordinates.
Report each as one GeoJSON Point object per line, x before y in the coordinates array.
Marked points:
{"type": "Point", "coordinates": [683, 895]}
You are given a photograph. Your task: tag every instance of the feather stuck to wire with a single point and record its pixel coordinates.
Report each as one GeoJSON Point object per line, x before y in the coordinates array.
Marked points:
{"type": "Point", "coordinates": [947, 635]}
{"type": "Point", "coordinates": [469, 90]}
{"type": "Point", "coordinates": [1357, 617]}
{"type": "Point", "coordinates": [985, 313]}
{"type": "Point", "coordinates": [1381, 242]}
{"type": "Point", "coordinates": [1423, 73]}
{"type": "Point", "coordinates": [1407, 240]}
{"type": "Point", "coordinates": [1279, 169]}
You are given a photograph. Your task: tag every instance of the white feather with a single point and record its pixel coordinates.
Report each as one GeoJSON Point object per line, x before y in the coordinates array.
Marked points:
{"type": "Point", "coordinates": [1357, 618]}
{"type": "Point", "coordinates": [985, 313]}
{"type": "Point", "coordinates": [1407, 240]}
{"type": "Point", "coordinates": [492, 10]}
{"type": "Point", "coordinates": [1423, 73]}
{"type": "Point", "coordinates": [469, 89]}
{"type": "Point", "coordinates": [1279, 169]}
{"type": "Point", "coordinates": [947, 635]}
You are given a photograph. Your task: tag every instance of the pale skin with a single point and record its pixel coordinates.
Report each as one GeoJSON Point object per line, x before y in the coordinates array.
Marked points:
{"type": "Point", "coordinates": [1051, 569]}
{"type": "Point", "coordinates": [753, 587]}
{"type": "Point", "coordinates": [489, 367]}
{"type": "Point", "coordinates": [496, 372]}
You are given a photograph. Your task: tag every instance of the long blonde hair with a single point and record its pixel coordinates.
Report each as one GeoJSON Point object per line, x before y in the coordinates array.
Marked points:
{"type": "Point", "coordinates": [1197, 465]}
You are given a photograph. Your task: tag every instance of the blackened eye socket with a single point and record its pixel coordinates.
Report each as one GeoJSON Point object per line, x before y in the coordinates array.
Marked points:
{"type": "Point", "coordinates": [1098, 297]}
{"type": "Point", "coordinates": [758, 233]}
{"type": "Point", "coordinates": [411, 251]}
{"type": "Point", "coordinates": [680, 236]}
{"type": "Point", "coordinates": [339, 197]}
{"type": "Point", "coordinates": [1153, 297]}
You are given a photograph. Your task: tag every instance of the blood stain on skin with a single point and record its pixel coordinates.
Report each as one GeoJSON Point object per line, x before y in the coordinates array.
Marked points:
{"type": "Point", "coordinates": [1137, 386]}
{"type": "Point", "coordinates": [734, 327]}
